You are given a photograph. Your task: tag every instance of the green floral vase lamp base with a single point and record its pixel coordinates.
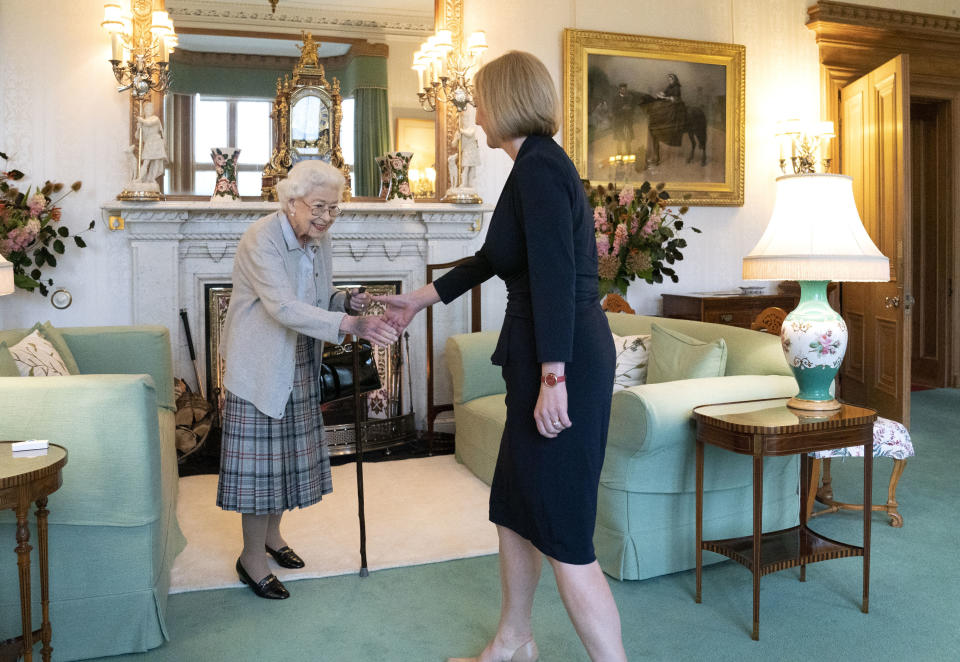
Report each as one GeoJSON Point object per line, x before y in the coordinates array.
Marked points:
{"type": "Point", "coordinates": [814, 236]}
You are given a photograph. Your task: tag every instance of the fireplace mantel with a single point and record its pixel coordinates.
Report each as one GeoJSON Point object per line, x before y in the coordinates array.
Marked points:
{"type": "Point", "coordinates": [178, 247]}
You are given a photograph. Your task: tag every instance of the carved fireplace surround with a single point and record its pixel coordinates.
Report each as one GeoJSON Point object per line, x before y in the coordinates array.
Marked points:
{"type": "Point", "coordinates": [177, 248]}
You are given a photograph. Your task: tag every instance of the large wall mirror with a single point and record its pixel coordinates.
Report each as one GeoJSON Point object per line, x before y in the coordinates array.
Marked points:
{"type": "Point", "coordinates": [230, 55]}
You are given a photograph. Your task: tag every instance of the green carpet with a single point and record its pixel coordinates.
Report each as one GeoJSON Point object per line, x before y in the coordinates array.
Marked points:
{"type": "Point", "coordinates": [426, 613]}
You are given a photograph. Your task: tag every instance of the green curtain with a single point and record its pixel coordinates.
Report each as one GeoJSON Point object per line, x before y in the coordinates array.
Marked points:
{"type": "Point", "coordinates": [371, 134]}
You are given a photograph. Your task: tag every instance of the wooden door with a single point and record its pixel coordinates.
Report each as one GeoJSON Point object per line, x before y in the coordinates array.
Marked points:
{"type": "Point", "coordinates": [874, 150]}
{"type": "Point", "coordinates": [932, 181]}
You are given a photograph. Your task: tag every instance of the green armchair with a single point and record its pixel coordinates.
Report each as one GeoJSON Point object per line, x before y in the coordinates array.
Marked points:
{"type": "Point", "coordinates": [113, 531]}
{"type": "Point", "coordinates": [646, 501]}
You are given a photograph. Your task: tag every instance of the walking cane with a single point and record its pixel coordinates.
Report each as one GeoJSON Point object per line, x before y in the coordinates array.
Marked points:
{"type": "Point", "coordinates": [358, 438]}
{"type": "Point", "coordinates": [193, 353]}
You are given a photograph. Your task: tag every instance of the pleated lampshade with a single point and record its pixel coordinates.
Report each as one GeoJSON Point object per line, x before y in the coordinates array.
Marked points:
{"type": "Point", "coordinates": [815, 233]}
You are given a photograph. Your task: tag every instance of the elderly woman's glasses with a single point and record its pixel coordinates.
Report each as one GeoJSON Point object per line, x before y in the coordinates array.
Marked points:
{"type": "Point", "coordinates": [319, 210]}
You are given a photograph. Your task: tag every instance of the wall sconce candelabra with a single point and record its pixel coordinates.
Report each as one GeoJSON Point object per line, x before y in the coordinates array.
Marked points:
{"type": "Point", "coordinates": [805, 147]}
{"type": "Point", "coordinates": [445, 75]}
{"type": "Point", "coordinates": [141, 40]}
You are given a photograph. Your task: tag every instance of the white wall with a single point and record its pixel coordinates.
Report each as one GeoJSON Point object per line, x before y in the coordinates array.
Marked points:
{"type": "Point", "coordinates": [61, 119]}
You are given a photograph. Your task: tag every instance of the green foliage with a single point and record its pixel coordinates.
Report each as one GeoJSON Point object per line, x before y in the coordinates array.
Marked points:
{"type": "Point", "coordinates": [30, 233]}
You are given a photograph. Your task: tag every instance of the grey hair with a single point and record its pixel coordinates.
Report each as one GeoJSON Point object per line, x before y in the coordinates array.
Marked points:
{"type": "Point", "coordinates": [307, 176]}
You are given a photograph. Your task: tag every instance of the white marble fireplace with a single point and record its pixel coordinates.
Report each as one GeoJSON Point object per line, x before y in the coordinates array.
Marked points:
{"type": "Point", "coordinates": [178, 248]}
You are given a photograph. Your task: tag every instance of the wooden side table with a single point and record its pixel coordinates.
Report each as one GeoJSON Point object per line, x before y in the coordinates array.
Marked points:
{"type": "Point", "coordinates": [24, 480]}
{"type": "Point", "coordinates": [764, 428]}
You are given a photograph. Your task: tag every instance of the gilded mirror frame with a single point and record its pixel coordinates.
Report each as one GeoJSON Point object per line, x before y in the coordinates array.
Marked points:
{"type": "Point", "coordinates": [448, 15]}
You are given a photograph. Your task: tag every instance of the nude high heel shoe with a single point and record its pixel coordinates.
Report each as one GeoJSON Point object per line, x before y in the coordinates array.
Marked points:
{"type": "Point", "coordinates": [525, 653]}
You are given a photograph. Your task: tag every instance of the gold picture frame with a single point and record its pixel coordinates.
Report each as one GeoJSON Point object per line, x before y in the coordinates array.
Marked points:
{"type": "Point", "coordinates": [672, 110]}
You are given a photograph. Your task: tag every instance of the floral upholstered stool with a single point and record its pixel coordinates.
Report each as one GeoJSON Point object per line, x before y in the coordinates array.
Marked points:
{"type": "Point", "coordinates": [890, 439]}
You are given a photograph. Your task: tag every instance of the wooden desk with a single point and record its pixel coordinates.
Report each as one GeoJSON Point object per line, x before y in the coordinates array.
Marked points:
{"type": "Point", "coordinates": [24, 480]}
{"type": "Point", "coordinates": [765, 428]}
{"type": "Point", "coordinates": [733, 309]}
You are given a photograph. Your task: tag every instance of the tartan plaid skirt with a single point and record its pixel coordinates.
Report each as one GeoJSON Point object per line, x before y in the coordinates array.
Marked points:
{"type": "Point", "coordinates": [270, 465]}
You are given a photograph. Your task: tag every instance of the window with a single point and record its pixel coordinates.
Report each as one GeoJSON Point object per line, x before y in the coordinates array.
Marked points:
{"type": "Point", "coordinates": [231, 122]}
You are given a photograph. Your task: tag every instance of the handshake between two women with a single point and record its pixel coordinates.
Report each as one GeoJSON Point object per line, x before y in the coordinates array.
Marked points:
{"type": "Point", "coordinates": [386, 328]}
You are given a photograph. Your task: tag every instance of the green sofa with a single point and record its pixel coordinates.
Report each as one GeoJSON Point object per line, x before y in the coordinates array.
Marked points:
{"type": "Point", "coordinates": [113, 532]}
{"type": "Point", "coordinates": [646, 501]}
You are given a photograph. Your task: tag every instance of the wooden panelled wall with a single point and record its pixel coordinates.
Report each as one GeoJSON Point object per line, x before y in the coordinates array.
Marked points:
{"type": "Point", "coordinates": [854, 39]}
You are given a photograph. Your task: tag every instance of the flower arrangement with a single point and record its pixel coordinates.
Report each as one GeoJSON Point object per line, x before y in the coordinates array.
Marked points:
{"type": "Point", "coordinates": [30, 234]}
{"type": "Point", "coordinates": [636, 235]}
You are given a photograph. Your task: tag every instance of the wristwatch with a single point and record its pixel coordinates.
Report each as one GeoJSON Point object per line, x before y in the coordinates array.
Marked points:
{"type": "Point", "coordinates": [551, 380]}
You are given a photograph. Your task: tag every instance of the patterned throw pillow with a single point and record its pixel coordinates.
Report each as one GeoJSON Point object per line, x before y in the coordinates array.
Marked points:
{"type": "Point", "coordinates": [36, 357]}
{"type": "Point", "coordinates": [632, 356]}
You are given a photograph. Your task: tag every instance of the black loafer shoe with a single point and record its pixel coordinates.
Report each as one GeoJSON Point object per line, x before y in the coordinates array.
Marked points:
{"type": "Point", "coordinates": [269, 587]}
{"type": "Point", "coordinates": [285, 557]}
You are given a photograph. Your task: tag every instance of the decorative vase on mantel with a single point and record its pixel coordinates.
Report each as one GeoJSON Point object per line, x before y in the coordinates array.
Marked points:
{"type": "Point", "coordinates": [400, 189]}
{"type": "Point", "coordinates": [383, 166]}
{"type": "Point", "coordinates": [225, 163]}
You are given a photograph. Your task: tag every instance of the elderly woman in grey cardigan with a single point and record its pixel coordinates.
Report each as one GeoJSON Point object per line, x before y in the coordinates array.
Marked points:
{"type": "Point", "coordinates": [282, 309]}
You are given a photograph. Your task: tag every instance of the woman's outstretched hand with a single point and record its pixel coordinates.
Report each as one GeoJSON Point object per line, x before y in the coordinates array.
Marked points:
{"type": "Point", "coordinates": [402, 308]}
{"type": "Point", "coordinates": [371, 327]}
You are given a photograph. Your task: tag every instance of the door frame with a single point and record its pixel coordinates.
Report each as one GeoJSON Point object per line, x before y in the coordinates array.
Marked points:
{"type": "Point", "coordinates": [950, 93]}
{"type": "Point", "coordinates": [854, 39]}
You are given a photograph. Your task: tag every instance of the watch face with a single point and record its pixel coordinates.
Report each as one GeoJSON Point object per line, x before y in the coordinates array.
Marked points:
{"type": "Point", "coordinates": [550, 379]}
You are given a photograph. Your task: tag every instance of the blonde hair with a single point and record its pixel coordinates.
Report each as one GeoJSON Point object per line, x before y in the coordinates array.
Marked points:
{"type": "Point", "coordinates": [307, 176]}
{"type": "Point", "coordinates": [518, 97]}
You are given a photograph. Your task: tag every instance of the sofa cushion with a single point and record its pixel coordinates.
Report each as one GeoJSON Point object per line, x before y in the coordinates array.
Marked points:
{"type": "Point", "coordinates": [36, 357]}
{"type": "Point", "coordinates": [632, 357]}
{"type": "Point", "coordinates": [8, 367]}
{"type": "Point", "coordinates": [675, 356]}
{"type": "Point", "coordinates": [52, 335]}
{"type": "Point", "coordinates": [479, 429]}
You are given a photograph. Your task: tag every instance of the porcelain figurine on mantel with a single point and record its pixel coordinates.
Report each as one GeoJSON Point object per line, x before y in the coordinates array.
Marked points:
{"type": "Point", "coordinates": [142, 185]}
{"type": "Point", "coordinates": [465, 160]}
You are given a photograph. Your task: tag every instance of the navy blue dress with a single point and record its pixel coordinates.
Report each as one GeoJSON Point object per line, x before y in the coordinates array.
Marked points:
{"type": "Point", "coordinates": [541, 243]}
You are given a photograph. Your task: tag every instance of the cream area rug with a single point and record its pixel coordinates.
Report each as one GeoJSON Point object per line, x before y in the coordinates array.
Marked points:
{"type": "Point", "coordinates": [422, 510]}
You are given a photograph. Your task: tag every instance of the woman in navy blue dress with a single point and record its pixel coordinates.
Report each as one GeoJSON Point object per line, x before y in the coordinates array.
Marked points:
{"type": "Point", "coordinates": [557, 357]}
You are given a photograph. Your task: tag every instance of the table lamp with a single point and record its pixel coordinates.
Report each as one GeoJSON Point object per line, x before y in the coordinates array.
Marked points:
{"type": "Point", "coordinates": [6, 277]}
{"type": "Point", "coordinates": [814, 236]}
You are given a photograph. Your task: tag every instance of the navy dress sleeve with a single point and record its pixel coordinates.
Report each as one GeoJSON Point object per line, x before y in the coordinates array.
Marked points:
{"type": "Point", "coordinates": [463, 277]}
{"type": "Point", "coordinates": [544, 203]}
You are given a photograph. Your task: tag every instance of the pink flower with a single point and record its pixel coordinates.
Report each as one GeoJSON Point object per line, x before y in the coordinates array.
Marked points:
{"type": "Point", "coordinates": [36, 204]}
{"type": "Point", "coordinates": [651, 225]}
{"type": "Point", "coordinates": [404, 189]}
{"type": "Point", "coordinates": [222, 185]}
{"type": "Point", "coordinates": [626, 196]}
{"type": "Point", "coordinates": [219, 159]}
{"type": "Point", "coordinates": [599, 217]}
{"type": "Point", "coordinates": [396, 163]}
{"type": "Point", "coordinates": [603, 245]}
{"type": "Point", "coordinates": [19, 238]}
{"type": "Point", "coordinates": [634, 225]}
{"type": "Point", "coordinates": [619, 238]}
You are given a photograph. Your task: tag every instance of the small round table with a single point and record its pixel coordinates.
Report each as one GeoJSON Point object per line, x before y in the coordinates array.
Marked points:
{"type": "Point", "coordinates": [26, 478]}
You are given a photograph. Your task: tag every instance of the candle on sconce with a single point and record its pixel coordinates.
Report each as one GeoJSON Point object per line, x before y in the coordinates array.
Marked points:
{"type": "Point", "coordinates": [116, 46]}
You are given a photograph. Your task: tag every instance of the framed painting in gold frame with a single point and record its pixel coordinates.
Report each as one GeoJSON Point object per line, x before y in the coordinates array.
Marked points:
{"type": "Point", "coordinates": [660, 110]}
